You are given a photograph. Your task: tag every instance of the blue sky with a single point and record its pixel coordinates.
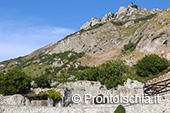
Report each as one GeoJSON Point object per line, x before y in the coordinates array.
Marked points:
{"type": "Point", "coordinates": [27, 25]}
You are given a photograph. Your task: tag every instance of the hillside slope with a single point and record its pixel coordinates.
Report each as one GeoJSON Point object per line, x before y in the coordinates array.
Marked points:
{"type": "Point", "coordinates": [103, 39]}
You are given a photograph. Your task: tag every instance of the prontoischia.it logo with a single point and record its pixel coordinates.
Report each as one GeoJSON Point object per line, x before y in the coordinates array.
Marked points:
{"type": "Point", "coordinates": [135, 99]}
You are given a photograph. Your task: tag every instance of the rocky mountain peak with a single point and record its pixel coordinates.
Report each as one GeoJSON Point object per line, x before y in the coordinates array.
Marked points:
{"type": "Point", "coordinates": [123, 14]}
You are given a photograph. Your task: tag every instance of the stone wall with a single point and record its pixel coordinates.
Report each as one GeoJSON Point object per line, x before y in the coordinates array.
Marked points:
{"type": "Point", "coordinates": [163, 107]}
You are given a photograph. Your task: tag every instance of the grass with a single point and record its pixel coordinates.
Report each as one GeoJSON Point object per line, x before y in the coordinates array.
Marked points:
{"type": "Point", "coordinates": [95, 26]}
{"type": "Point", "coordinates": [38, 71]}
{"type": "Point", "coordinates": [85, 59]}
{"type": "Point", "coordinates": [119, 23]}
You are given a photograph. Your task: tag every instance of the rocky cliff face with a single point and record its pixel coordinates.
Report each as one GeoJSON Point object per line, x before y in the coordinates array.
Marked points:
{"type": "Point", "coordinates": [106, 36]}
{"type": "Point", "coordinates": [123, 14]}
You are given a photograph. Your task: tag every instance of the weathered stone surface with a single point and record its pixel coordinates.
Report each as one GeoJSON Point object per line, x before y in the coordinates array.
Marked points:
{"type": "Point", "coordinates": [39, 103]}
{"type": "Point", "coordinates": [16, 99]}
{"type": "Point", "coordinates": [121, 13]}
{"type": "Point", "coordinates": [67, 98]}
{"type": "Point", "coordinates": [133, 84]}
{"type": "Point", "coordinates": [163, 107]}
{"type": "Point", "coordinates": [57, 64]}
{"type": "Point", "coordinates": [131, 62]}
{"type": "Point", "coordinates": [107, 17]}
{"type": "Point", "coordinates": [129, 23]}
{"type": "Point", "coordinates": [36, 61]}
{"type": "Point", "coordinates": [95, 21]}
{"type": "Point", "coordinates": [86, 25]}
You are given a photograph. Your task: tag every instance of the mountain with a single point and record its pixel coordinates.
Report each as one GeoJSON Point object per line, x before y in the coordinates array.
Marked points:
{"type": "Point", "coordinates": [128, 34]}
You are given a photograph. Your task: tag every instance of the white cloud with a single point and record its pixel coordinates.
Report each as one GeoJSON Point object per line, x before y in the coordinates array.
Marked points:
{"type": "Point", "coordinates": [18, 39]}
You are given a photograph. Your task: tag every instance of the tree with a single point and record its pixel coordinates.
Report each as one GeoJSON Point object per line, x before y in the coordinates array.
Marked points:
{"type": "Point", "coordinates": [110, 73]}
{"type": "Point", "coordinates": [14, 82]}
{"type": "Point", "coordinates": [1, 78]}
{"type": "Point", "coordinates": [151, 65]}
{"type": "Point", "coordinates": [89, 74]}
{"type": "Point", "coordinates": [120, 109]}
{"type": "Point", "coordinates": [42, 81]}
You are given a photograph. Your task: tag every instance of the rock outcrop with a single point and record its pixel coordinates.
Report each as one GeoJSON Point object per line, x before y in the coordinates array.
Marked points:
{"type": "Point", "coordinates": [123, 14]}
{"type": "Point", "coordinates": [107, 17]}
{"type": "Point", "coordinates": [16, 100]}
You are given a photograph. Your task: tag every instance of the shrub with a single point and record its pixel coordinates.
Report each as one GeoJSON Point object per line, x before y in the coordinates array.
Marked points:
{"type": "Point", "coordinates": [96, 26]}
{"type": "Point", "coordinates": [14, 82]}
{"type": "Point", "coordinates": [151, 65]}
{"type": "Point", "coordinates": [63, 78]}
{"type": "Point", "coordinates": [119, 23]}
{"type": "Point", "coordinates": [145, 18]}
{"type": "Point", "coordinates": [120, 109]}
{"type": "Point", "coordinates": [88, 74]}
{"type": "Point", "coordinates": [42, 81]}
{"type": "Point", "coordinates": [1, 78]}
{"type": "Point", "coordinates": [165, 42]}
{"type": "Point", "coordinates": [110, 73]}
{"type": "Point", "coordinates": [56, 96]}
{"type": "Point", "coordinates": [129, 46]}
{"type": "Point", "coordinates": [135, 6]}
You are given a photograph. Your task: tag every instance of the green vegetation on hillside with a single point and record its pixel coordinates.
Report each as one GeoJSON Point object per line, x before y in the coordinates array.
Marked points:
{"type": "Point", "coordinates": [56, 96]}
{"type": "Point", "coordinates": [14, 82]}
{"type": "Point", "coordinates": [120, 23]}
{"type": "Point", "coordinates": [109, 73]}
{"type": "Point", "coordinates": [145, 18]}
{"type": "Point", "coordinates": [158, 36]}
{"type": "Point", "coordinates": [151, 65]}
{"type": "Point", "coordinates": [129, 46]}
{"type": "Point", "coordinates": [165, 42]}
{"type": "Point", "coordinates": [42, 81]}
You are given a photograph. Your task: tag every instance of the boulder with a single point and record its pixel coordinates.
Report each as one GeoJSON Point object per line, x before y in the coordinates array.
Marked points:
{"type": "Point", "coordinates": [57, 64]}
{"type": "Point", "coordinates": [16, 99]}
